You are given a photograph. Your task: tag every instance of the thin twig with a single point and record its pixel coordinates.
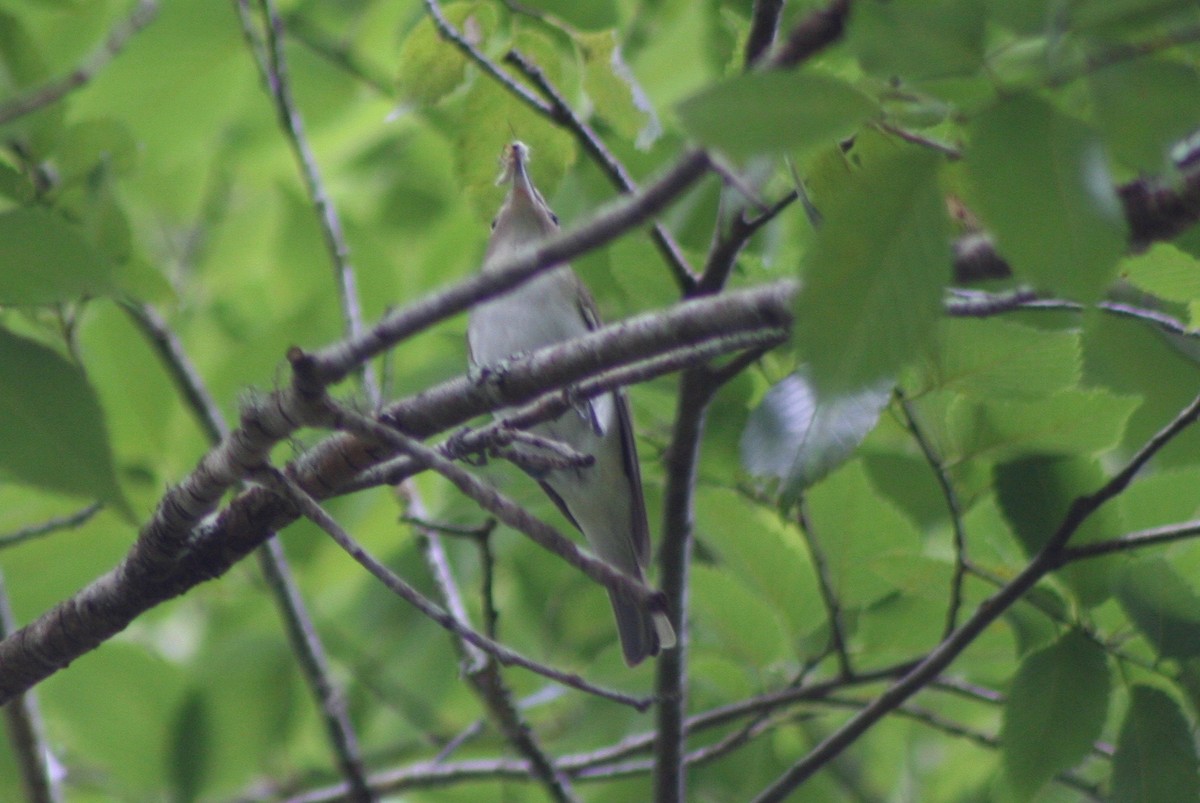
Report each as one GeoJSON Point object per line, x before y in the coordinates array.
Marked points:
{"type": "Point", "coordinates": [952, 506]}
{"type": "Point", "coordinates": [298, 624]}
{"type": "Point", "coordinates": [627, 213]}
{"type": "Point", "coordinates": [497, 504]}
{"type": "Point", "coordinates": [71, 521]}
{"type": "Point", "coordinates": [456, 38]}
{"type": "Point", "coordinates": [833, 606]}
{"type": "Point", "coordinates": [53, 91]}
{"type": "Point", "coordinates": [1052, 556]}
{"type": "Point", "coordinates": [314, 665]}
{"type": "Point", "coordinates": [481, 669]}
{"type": "Point", "coordinates": [26, 730]}
{"type": "Point", "coordinates": [610, 166]}
{"type": "Point", "coordinates": [1154, 536]}
{"type": "Point", "coordinates": [278, 83]}
{"type": "Point", "coordinates": [281, 484]}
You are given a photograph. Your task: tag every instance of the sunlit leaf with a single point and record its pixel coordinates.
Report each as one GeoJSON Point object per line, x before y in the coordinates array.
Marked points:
{"type": "Point", "coordinates": [798, 435]}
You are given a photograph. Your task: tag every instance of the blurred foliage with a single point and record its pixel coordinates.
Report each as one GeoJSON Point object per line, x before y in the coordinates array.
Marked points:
{"type": "Point", "coordinates": [165, 179]}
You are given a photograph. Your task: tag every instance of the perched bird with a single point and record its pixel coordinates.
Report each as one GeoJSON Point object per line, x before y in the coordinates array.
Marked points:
{"type": "Point", "coordinates": [604, 500]}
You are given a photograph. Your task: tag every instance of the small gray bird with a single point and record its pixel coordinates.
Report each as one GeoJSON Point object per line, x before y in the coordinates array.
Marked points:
{"type": "Point", "coordinates": [603, 500]}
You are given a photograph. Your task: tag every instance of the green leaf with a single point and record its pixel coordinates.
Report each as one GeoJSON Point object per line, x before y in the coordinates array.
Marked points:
{"type": "Point", "coordinates": [798, 436]}
{"type": "Point", "coordinates": [613, 88]}
{"type": "Point", "coordinates": [1055, 710]}
{"type": "Point", "coordinates": [774, 111]}
{"type": "Point", "coordinates": [859, 533]}
{"type": "Point", "coordinates": [990, 358]}
{"type": "Point", "coordinates": [1164, 607]}
{"type": "Point", "coordinates": [591, 15]}
{"type": "Point", "coordinates": [738, 619]}
{"type": "Point", "coordinates": [1070, 422]}
{"type": "Point", "coordinates": [1111, 14]}
{"type": "Point", "coordinates": [44, 259]}
{"type": "Point", "coordinates": [874, 276]}
{"type": "Point", "coordinates": [431, 67]}
{"type": "Point", "coordinates": [1144, 107]}
{"type": "Point", "coordinates": [1155, 757]}
{"type": "Point", "coordinates": [52, 431]}
{"type": "Point", "coordinates": [1035, 494]}
{"type": "Point", "coordinates": [1042, 188]}
{"type": "Point", "coordinates": [1165, 271]}
{"type": "Point", "coordinates": [775, 562]}
{"type": "Point", "coordinates": [918, 39]}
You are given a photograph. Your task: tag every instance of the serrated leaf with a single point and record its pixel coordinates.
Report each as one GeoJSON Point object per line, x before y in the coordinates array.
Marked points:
{"type": "Point", "coordinates": [858, 532]}
{"type": "Point", "coordinates": [918, 39]}
{"type": "Point", "coordinates": [1164, 607]}
{"type": "Point", "coordinates": [1035, 494]}
{"type": "Point", "coordinates": [44, 259]}
{"type": "Point", "coordinates": [1070, 422]}
{"type": "Point", "coordinates": [1155, 757]}
{"type": "Point", "coordinates": [52, 431]}
{"type": "Point", "coordinates": [1144, 107]}
{"type": "Point", "coordinates": [1055, 710]}
{"type": "Point", "coordinates": [998, 359]}
{"type": "Point", "coordinates": [1043, 189]}
{"type": "Point", "coordinates": [798, 435]}
{"type": "Point", "coordinates": [873, 278]}
{"type": "Point", "coordinates": [769, 112]}
{"type": "Point", "coordinates": [1165, 271]}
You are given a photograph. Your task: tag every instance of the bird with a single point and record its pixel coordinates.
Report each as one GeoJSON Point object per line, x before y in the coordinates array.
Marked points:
{"type": "Point", "coordinates": [604, 500]}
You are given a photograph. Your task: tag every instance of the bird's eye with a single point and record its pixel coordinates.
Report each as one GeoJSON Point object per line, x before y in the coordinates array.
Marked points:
{"type": "Point", "coordinates": [494, 224]}
{"type": "Point", "coordinates": [554, 217]}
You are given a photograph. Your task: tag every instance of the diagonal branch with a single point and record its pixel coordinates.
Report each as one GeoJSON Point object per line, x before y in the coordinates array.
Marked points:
{"type": "Point", "coordinates": [55, 90]}
{"type": "Point", "coordinates": [618, 176]}
{"type": "Point", "coordinates": [1051, 557]}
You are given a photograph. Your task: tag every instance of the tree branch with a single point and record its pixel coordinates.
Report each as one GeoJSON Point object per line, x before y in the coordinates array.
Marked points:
{"type": "Point", "coordinates": [57, 89]}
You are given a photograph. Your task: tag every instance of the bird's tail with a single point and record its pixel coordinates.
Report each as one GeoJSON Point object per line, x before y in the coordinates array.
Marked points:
{"type": "Point", "coordinates": [643, 632]}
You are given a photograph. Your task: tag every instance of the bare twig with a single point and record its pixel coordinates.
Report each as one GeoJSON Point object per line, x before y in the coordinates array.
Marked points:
{"type": "Point", "coordinates": [301, 632]}
{"type": "Point", "coordinates": [274, 68]}
{"type": "Point", "coordinates": [333, 363]}
{"type": "Point", "coordinates": [483, 671]}
{"type": "Point", "coordinates": [764, 24]}
{"type": "Point", "coordinates": [456, 38]}
{"type": "Point", "coordinates": [281, 484]}
{"type": "Point", "coordinates": [76, 519]}
{"type": "Point", "coordinates": [562, 113]}
{"type": "Point", "coordinates": [26, 734]}
{"type": "Point", "coordinates": [57, 89]}
{"type": "Point", "coordinates": [833, 606]}
{"type": "Point", "coordinates": [952, 506]}
{"type": "Point", "coordinates": [1052, 556]}
{"type": "Point", "coordinates": [1153, 536]}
